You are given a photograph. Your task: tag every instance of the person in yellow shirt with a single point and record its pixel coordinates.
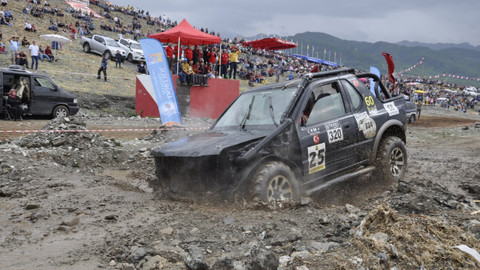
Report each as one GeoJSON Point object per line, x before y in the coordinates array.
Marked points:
{"type": "Point", "coordinates": [188, 70]}
{"type": "Point", "coordinates": [233, 58]}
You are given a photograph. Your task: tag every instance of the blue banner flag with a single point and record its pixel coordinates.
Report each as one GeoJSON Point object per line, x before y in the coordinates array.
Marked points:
{"type": "Point", "coordinates": [375, 71]}
{"type": "Point", "coordinates": [162, 81]}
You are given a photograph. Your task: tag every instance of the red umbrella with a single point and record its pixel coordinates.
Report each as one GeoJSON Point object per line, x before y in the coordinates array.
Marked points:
{"type": "Point", "coordinates": [271, 44]}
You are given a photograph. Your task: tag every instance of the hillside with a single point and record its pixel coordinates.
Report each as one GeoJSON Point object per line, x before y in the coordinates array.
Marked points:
{"type": "Point", "coordinates": [362, 55]}
{"type": "Point", "coordinates": [76, 70]}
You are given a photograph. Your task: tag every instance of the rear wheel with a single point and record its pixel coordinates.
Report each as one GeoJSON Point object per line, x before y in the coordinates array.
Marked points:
{"type": "Point", "coordinates": [275, 181]}
{"type": "Point", "coordinates": [108, 54]}
{"type": "Point", "coordinates": [60, 111]}
{"type": "Point", "coordinates": [86, 47]}
{"type": "Point", "coordinates": [391, 159]}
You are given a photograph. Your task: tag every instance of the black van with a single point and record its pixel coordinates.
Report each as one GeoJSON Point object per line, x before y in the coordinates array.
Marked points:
{"type": "Point", "coordinates": [39, 94]}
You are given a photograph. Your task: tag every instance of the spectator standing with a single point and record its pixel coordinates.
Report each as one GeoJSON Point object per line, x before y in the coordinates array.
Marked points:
{"type": "Point", "coordinates": [14, 49]}
{"type": "Point", "coordinates": [118, 60]}
{"type": "Point", "coordinates": [233, 58]}
{"type": "Point", "coordinates": [189, 53]}
{"type": "Point", "coordinates": [224, 63]}
{"type": "Point", "coordinates": [103, 67]}
{"type": "Point", "coordinates": [212, 57]}
{"type": "Point", "coordinates": [169, 53]}
{"type": "Point", "coordinates": [33, 49]}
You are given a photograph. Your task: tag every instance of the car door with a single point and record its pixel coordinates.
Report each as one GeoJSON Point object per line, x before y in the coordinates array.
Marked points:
{"type": "Point", "coordinates": [327, 135]}
{"type": "Point", "coordinates": [44, 96]}
{"type": "Point", "coordinates": [99, 45]}
{"type": "Point", "coordinates": [365, 111]}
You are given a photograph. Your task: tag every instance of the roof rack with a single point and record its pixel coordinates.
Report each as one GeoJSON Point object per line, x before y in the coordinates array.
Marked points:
{"type": "Point", "coordinates": [16, 68]}
{"type": "Point", "coordinates": [330, 73]}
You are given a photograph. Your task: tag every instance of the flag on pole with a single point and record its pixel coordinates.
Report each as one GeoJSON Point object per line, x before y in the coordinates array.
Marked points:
{"type": "Point", "coordinates": [162, 81]}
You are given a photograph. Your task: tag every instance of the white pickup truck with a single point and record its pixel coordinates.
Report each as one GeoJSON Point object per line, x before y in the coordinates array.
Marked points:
{"type": "Point", "coordinates": [101, 44]}
{"type": "Point", "coordinates": [133, 49]}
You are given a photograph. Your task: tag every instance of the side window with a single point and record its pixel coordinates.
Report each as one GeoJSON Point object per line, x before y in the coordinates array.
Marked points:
{"type": "Point", "coordinates": [325, 103]}
{"type": "Point", "coordinates": [353, 94]}
{"type": "Point", "coordinates": [44, 82]}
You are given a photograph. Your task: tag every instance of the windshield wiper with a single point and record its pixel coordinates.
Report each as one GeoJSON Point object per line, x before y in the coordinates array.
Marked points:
{"type": "Point", "coordinates": [247, 115]}
{"type": "Point", "coordinates": [271, 110]}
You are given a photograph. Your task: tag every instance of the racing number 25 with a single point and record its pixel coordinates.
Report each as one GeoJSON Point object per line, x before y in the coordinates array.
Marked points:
{"type": "Point", "coordinates": [316, 158]}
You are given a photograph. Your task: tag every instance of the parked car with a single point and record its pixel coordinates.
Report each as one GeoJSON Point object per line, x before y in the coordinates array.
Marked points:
{"type": "Point", "coordinates": [100, 44]}
{"type": "Point", "coordinates": [282, 141]}
{"type": "Point", "coordinates": [39, 94]}
{"type": "Point", "coordinates": [133, 49]}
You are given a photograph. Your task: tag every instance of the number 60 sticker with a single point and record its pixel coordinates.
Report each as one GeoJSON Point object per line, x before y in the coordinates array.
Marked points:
{"type": "Point", "coordinates": [369, 101]}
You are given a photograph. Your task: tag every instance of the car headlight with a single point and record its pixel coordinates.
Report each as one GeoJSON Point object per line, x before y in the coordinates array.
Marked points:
{"type": "Point", "coordinates": [75, 100]}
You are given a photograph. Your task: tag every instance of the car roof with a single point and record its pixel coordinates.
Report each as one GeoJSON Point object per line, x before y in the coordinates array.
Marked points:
{"type": "Point", "coordinates": [14, 70]}
{"type": "Point", "coordinates": [130, 40]}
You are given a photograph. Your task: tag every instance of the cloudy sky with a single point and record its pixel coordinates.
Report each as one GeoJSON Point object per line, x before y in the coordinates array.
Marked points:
{"type": "Point", "coordinates": [431, 21]}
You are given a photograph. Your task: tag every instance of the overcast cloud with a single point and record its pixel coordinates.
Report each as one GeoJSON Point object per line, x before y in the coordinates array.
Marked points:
{"type": "Point", "coordinates": [440, 21]}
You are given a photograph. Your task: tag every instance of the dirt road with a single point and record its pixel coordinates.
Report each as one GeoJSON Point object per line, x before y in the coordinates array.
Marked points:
{"type": "Point", "coordinates": [84, 201]}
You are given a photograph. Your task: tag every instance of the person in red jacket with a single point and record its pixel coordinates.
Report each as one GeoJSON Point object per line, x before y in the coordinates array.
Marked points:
{"type": "Point", "coordinates": [224, 63]}
{"type": "Point", "coordinates": [169, 53]}
{"type": "Point", "coordinates": [212, 57]}
{"type": "Point", "coordinates": [189, 53]}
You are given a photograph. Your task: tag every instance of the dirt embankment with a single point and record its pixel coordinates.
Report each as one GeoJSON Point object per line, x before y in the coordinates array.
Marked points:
{"type": "Point", "coordinates": [84, 200]}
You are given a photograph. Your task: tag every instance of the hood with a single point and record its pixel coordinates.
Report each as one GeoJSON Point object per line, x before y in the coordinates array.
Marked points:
{"type": "Point", "coordinates": [207, 144]}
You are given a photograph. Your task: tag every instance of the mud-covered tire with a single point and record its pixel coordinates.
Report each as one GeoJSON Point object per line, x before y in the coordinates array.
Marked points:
{"type": "Point", "coordinates": [60, 111]}
{"type": "Point", "coordinates": [86, 47]}
{"type": "Point", "coordinates": [411, 120]}
{"type": "Point", "coordinates": [274, 181]}
{"type": "Point", "coordinates": [130, 57]}
{"type": "Point", "coordinates": [391, 161]}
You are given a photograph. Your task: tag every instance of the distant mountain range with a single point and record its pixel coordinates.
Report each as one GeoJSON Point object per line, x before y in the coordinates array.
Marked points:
{"type": "Point", "coordinates": [442, 58]}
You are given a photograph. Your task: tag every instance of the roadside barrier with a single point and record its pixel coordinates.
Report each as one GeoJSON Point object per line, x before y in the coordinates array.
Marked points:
{"type": "Point", "coordinates": [99, 130]}
{"type": "Point", "coordinates": [86, 74]}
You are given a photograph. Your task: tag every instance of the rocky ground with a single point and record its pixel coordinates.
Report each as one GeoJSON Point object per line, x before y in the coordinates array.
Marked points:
{"type": "Point", "coordinates": [85, 200]}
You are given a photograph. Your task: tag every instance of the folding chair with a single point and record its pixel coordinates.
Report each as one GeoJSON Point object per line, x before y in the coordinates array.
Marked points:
{"type": "Point", "coordinates": [6, 110]}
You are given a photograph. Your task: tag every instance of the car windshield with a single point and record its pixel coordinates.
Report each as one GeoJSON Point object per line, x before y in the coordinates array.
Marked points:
{"type": "Point", "coordinates": [258, 109]}
{"type": "Point", "coordinates": [111, 42]}
{"type": "Point", "coordinates": [135, 46]}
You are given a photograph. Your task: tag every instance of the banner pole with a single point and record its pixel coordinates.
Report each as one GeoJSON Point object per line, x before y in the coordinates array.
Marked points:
{"type": "Point", "coordinates": [220, 61]}
{"type": "Point", "coordinates": [178, 55]}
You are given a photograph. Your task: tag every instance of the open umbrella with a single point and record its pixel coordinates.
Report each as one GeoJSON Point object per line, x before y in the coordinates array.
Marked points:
{"type": "Point", "coordinates": [55, 37]}
{"type": "Point", "coordinates": [58, 38]}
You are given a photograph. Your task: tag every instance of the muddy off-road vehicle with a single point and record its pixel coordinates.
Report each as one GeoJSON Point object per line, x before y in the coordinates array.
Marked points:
{"type": "Point", "coordinates": [287, 140]}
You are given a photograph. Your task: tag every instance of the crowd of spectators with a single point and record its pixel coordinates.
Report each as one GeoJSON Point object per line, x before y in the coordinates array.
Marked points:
{"type": "Point", "coordinates": [437, 93]}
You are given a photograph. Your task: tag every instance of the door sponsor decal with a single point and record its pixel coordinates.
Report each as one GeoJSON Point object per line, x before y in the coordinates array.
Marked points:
{"type": "Point", "coordinates": [316, 158]}
{"type": "Point", "coordinates": [391, 108]}
{"type": "Point", "coordinates": [334, 132]}
{"type": "Point", "coordinates": [316, 139]}
{"type": "Point", "coordinates": [366, 124]}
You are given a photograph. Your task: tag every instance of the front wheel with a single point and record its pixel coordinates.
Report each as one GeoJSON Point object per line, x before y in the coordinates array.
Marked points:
{"type": "Point", "coordinates": [391, 159]}
{"type": "Point", "coordinates": [130, 58]}
{"type": "Point", "coordinates": [60, 111]}
{"type": "Point", "coordinates": [275, 181]}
